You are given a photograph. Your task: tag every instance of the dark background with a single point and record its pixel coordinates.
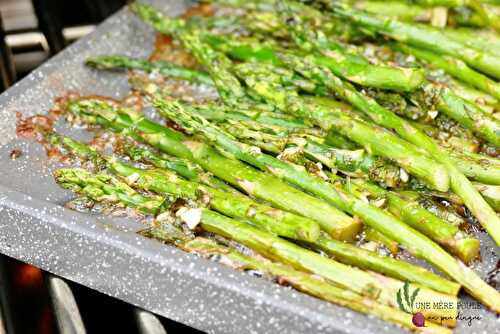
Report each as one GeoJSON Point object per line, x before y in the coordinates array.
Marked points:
{"type": "Point", "coordinates": [33, 30]}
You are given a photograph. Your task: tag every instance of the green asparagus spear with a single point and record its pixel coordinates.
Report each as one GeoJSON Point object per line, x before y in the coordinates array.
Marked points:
{"type": "Point", "coordinates": [459, 183]}
{"type": "Point", "coordinates": [365, 259]}
{"type": "Point", "coordinates": [491, 194]}
{"type": "Point", "coordinates": [478, 39]}
{"type": "Point", "coordinates": [446, 234]}
{"type": "Point", "coordinates": [456, 68]}
{"type": "Point", "coordinates": [306, 283]}
{"type": "Point", "coordinates": [221, 113]}
{"type": "Point", "coordinates": [377, 287]}
{"type": "Point", "coordinates": [83, 182]}
{"type": "Point", "coordinates": [346, 65]}
{"type": "Point", "coordinates": [190, 40]}
{"type": "Point", "coordinates": [166, 69]}
{"type": "Point", "coordinates": [251, 181]}
{"type": "Point", "coordinates": [474, 285]}
{"type": "Point", "coordinates": [301, 281]}
{"type": "Point", "coordinates": [481, 15]}
{"type": "Point", "coordinates": [471, 116]}
{"type": "Point", "coordinates": [426, 38]}
{"type": "Point", "coordinates": [487, 102]}
{"type": "Point", "coordinates": [231, 88]}
{"type": "Point", "coordinates": [287, 225]}
{"type": "Point", "coordinates": [354, 163]}
{"type": "Point", "coordinates": [106, 188]}
{"type": "Point", "coordinates": [163, 182]}
{"type": "Point", "coordinates": [410, 212]}
{"type": "Point", "coordinates": [395, 9]}
{"type": "Point", "coordinates": [383, 265]}
{"type": "Point", "coordinates": [349, 67]}
{"type": "Point", "coordinates": [428, 201]}
{"type": "Point", "coordinates": [343, 63]}
{"type": "Point", "coordinates": [377, 237]}
{"type": "Point", "coordinates": [446, 139]}
{"type": "Point", "coordinates": [269, 219]}
{"type": "Point", "coordinates": [365, 283]}
{"type": "Point", "coordinates": [183, 167]}
{"type": "Point", "coordinates": [417, 13]}
{"type": "Point", "coordinates": [375, 140]}
{"type": "Point", "coordinates": [417, 243]}
{"type": "Point", "coordinates": [261, 5]}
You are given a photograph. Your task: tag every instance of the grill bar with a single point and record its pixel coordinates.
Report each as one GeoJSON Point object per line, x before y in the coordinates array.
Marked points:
{"type": "Point", "coordinates": [67, 314]}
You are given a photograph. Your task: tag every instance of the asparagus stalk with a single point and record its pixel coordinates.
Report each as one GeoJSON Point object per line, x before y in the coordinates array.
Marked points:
{"type": "Point", "coordinates": [459, 183]}
{"type": "Point", "coordinates": [232, 93]}
{"type": "Point", "coordinates": [181, 31]}
{"type": "Point", "coordinates": [343, 63]}
{"type": "Point", "coordinates": [395, 9]}
{"type": "Point", "coordinates": [417, 243]}
{"type": "Point", "coordinates": [251, 181]}
{"type": "Point", "coordinates": [472, 283]}
{"type": "Point", "coordinates": [417, 13]}
{"type": "Point", "coordinates": [428, 201]}
{"type": "Point", "coordinates": [375, 140]}
{"type": "Point", "coordinates": [480, 13]}
{"type": "Point", "coordinates": [446, 139]}
{"type": "Point", "coordinates": [487, 102]}
{"type": "Point", "coordinates": [381, 289]}
{"type": "Point", "coordinates": [280, 122]}
{"type": "Point", "coordinates": [365, 259]}
{"type": "Point", "coordinates": [373, 262]}
{"type": "Point", "coordinates": [306, 283]}
{"type": "Point", "coordinates": [267, 218]}
{"type": "Point", "coordinates": [347, 65]}
{"type": "Point", "coordinates": [106, 188]}
{"type": "Point", "coordinates": [354, 163]}
{"type": "Point", "coordinates": [339, 60]}
{"type": "Point", "coordinates": [447, 235]}
{"type": "Point", "coordinates": [410, 212]}
{"type": "Point", "coordinates": [478, 168]}
{"type": "Point", "coordinates": [83, 182]}
{"type": "Point", "coordinates": [286, 225]}
{"type": "Point", "coordinates": [477, 39]}
{"type": "Point", "coordinates": [164, 182]}
{"type": "Point", "coordinates": [260, 5]}
{"type": "Point", "coordinates": [377, 237]}
{"type": "Point", "coordinates": [301, 281]}
{"type": "Point", "coordinates": [426, 38]}
{"type": "Point", "coordinates": [122, 124]}
{"type": "Point", "coordinates": [182, 167]}
{"type": "Point", "coordinates": [491, 194]}
{"type": "Point", "coordinates": [364, 283]}
{"type": "Point", "coordinates": [470, 116]}
{"type": "Point", "coordinates": [456, 68]}
{"type": "Point", "coordinates": [481, 158]}
{"type": "Point", "coordinates": [117, 62]}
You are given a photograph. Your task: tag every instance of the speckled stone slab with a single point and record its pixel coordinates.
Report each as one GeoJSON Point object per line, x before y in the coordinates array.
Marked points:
{"type": "Point", "coordinates": [107, 255]}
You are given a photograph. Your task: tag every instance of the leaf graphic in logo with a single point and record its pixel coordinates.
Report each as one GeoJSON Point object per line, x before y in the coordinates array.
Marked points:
{"type": "Point", "coordinates": [400, 301]}
{"type": "Point", "coordinates": [413, 297]}
{"type": "Point", "coordinates": [406, 288]}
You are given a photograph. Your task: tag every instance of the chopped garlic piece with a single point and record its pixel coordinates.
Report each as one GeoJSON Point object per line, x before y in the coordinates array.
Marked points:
{"type": "Point", "coordinates": [191, 217]}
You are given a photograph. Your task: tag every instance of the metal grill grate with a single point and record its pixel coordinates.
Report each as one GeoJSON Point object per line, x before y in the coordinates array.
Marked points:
{"type": "Point", "coordinates": [33, 301]}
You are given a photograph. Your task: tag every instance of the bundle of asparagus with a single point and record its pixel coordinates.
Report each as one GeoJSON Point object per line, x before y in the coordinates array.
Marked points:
{"type": "Point", "coordinates": [323, 157]}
